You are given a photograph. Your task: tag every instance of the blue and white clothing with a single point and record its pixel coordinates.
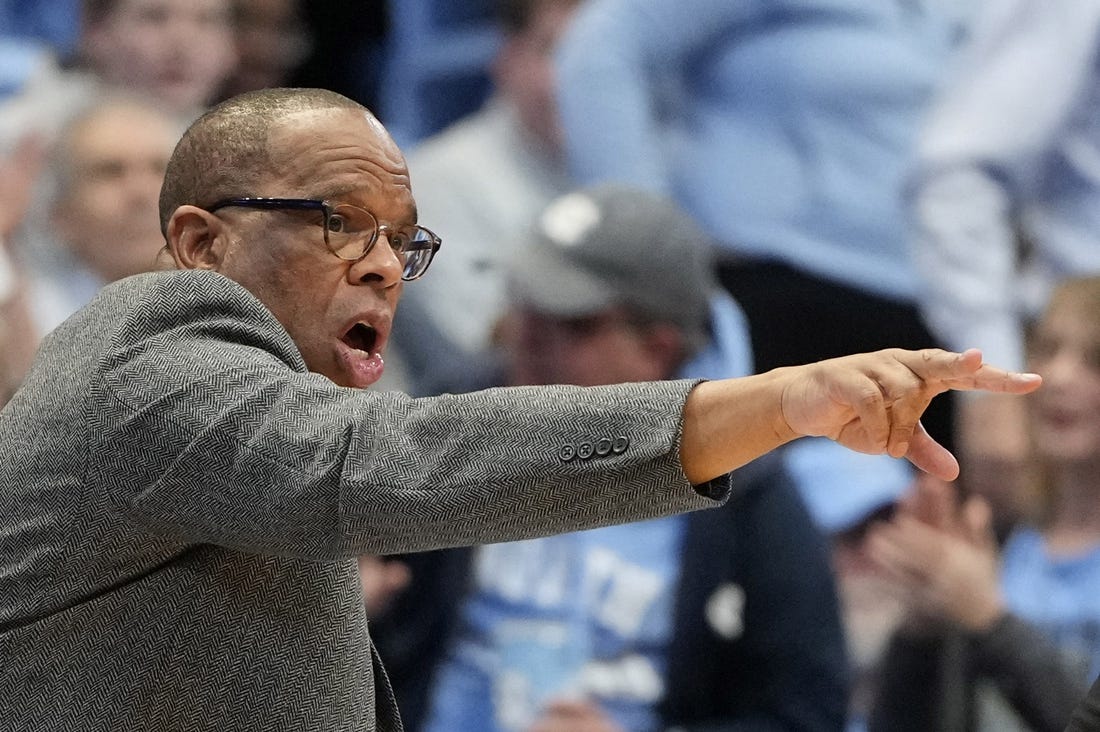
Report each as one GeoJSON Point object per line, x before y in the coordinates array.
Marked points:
{"type": "Point", "coordinates": [582, 614]}
{"type": "Point", "coordinates": [787, 127]}
{"type": "Point", "coordinates": [1011, 151]}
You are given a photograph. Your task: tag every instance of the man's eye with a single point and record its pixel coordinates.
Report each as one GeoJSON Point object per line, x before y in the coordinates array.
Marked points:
{"type": "Point", "coordinates": [399, 240]}
{"type": "Point", "coordinates": [337, 223]}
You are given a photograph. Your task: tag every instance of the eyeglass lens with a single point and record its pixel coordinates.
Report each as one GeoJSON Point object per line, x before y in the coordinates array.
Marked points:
{"type": "Point", "coordinates": [350, 232]}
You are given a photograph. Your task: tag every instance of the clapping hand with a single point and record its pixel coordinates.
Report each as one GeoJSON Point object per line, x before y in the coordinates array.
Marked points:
{"type": "Point", "coordinates": [944, 556]}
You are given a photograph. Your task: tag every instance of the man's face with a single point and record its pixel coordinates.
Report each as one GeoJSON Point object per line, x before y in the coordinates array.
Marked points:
{"type": "Point", "coordinates": [107, 210]}
{"type": "Point", "coordinates": [339, 313]}
{"type": "Point", "coordinates": [178, 51]}
{"type": "Point", "coordinates": [607, 347]}
{"type": "Point", "coordinates": [1066, 351]}
{"type": "Point", "coordinates": [525, 70]}
{"type": "Point", "coordinates": [270, 39]}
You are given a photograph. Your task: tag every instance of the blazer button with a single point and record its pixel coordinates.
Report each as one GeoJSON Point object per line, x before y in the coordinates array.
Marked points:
{"type": "Point", "coordinates": [567, 453]}
{"type": "Point", "coordinates": [603, 446]}
{"type": "Point", "coordinates": [585, 450]}
{"type": "Point", "coordinates": [620, 444]}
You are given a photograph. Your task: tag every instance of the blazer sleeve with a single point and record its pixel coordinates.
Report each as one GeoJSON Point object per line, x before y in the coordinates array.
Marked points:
{"type": "Point", "coordinates": [206, 428]}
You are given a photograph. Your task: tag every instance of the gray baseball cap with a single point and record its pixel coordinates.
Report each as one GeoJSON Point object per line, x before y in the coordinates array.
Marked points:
{"type": "Point", "coordinates": [613, 244]}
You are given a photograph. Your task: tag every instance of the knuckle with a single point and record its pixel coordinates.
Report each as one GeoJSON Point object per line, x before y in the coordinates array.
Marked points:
{"type": "Point", "coordinates": [872, 398]}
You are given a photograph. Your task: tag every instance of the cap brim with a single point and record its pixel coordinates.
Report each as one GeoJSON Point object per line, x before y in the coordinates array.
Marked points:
{"type": "Point", "coordinates": [842, 488]}
{"type": "Point", "coordinates": [548, 282]}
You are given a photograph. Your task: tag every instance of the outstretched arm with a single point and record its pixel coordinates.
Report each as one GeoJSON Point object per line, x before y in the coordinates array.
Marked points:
{"type": "Point", "coordinates": [869, 402]}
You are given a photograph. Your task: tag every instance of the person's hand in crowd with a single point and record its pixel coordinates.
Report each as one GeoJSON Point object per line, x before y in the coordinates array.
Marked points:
{"type": "Point", "coordinates": [945, 558]}
{"type": "Point", "coordinates": [869, 402]}
{"type": "Point", "coordinates": [18, 172]}
{"type": "Point", "coordinates": [574, 715]}
{"type": "Point", "coordinates": [381, 580]}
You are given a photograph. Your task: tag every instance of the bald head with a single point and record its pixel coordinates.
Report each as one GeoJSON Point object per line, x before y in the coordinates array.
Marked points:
{"type": "Point", "coordinates": [226, 151]}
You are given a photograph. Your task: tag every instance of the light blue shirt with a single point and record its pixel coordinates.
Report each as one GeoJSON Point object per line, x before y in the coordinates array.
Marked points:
{"type": "Point", "coordinates": [786, 127]}
{"type": "Point", "coordinates": [1059, 595]}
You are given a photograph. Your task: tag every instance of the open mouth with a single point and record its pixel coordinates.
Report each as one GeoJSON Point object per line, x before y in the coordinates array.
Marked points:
{"type": "Point", "coordinates": [361, 337]}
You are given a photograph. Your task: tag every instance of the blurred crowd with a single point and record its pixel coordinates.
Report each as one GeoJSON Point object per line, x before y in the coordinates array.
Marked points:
{"type": "Point", "coordinates": [634, 190]}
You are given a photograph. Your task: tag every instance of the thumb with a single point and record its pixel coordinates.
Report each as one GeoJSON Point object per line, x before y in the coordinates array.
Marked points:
{"type": "Point", "coordinates": [930, 456]}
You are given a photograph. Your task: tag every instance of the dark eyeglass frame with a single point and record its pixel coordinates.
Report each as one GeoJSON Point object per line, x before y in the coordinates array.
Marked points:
{"type": "Point", "coordinates": [430, 245]}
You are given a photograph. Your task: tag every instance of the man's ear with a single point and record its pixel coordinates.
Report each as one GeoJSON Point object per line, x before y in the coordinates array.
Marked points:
{"type": "Point", "coordinates": [197, 239]}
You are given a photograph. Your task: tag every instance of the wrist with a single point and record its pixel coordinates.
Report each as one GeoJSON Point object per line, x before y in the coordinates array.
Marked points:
{"type": "Point", "coordinates": [721, 424]}
{"type": "Point", "coordinates": [984, 616]}
{"type": "Point", "coordinates": [781, 426]}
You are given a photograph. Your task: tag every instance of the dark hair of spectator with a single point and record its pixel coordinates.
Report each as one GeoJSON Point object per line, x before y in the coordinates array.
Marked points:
{"type": "Point", "coordinates": [516, 15]}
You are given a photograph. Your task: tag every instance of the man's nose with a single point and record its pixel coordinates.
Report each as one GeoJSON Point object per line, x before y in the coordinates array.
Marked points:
{"type": "Point", "coordinates": [381, 266]}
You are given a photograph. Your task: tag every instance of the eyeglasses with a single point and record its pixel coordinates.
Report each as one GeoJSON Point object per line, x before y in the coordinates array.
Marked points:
{"type": "Point", "coordinates": [350, 231]}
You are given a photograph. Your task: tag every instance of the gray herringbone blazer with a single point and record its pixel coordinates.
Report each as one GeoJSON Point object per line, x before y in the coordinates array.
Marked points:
{"type": "Point", "coordinates": [180, 501]}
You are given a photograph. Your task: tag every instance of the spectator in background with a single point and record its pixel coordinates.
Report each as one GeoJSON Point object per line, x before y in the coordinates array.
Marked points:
{"type": "Point", "coordinates": [1003, 211]}
{"type": "Point", "coordinates": [786, 128]}
{"type": "Point", "coordinates": [271, 42]}
{"type": "Point", "coordinates": [177, 52]}
{"type": "Point", "coordinates": [484, 180]}
{"type": "Point", "coordinates": [1009, 642]}
{"type": "Point", "coordinates": [109, 164]}
{"type": "Point", "coordinates": [626, 628]}
{"type": "Point", "coordinates": [173, 53]}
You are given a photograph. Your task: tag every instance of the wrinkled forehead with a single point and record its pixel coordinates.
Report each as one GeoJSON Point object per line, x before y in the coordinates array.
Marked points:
{"type": "Point", "coordinates": [331, 151]}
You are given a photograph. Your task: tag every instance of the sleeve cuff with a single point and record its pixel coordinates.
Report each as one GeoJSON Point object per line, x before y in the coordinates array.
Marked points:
{"type": "Point", "coordinates": [718, 489]}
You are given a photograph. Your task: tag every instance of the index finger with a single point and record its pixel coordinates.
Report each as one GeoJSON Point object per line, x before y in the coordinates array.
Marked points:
{"type": "Point", "coordinates": [966, 371]}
